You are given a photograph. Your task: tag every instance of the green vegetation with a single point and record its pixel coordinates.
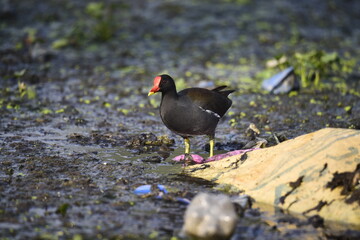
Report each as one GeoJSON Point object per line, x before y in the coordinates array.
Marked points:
{"type": "Point", "coordinates": [103, 28]}
{"type": "Point", "coordinates": [316, 67]}
{"type": "Point", "coordinates": [228, 189]}
{"type": "Point", "coordinates": [12, 98]}
{"type": "Point", "coordinates": [62, 209]}
{"type": "Point", "coordinates": [26, 91]}
{"type": "Point", "coordinates": [94, 23]}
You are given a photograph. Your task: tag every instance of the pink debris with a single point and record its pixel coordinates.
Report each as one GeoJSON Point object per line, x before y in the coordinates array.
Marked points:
{"type": "Point", "coordinates": [229, 154]}
{"type": "Point", "coordinates": [199, 159]}
{"type": "Point", "coordinates": [196, 158]}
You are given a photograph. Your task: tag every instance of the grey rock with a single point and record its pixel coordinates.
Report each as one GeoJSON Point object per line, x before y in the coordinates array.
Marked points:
{"type": "Point", "coordinates": [210, 217]}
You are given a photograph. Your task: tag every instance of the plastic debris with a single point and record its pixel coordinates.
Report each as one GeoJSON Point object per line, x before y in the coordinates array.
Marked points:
{"type": "Point", "coordinates": [229, 154]}
{"type": "Point", "coordinates": [242, 201]}
{"type": "Point", "coordinates": [147, 189]}
{"type": "Point", "coordinates": [282, 82]}
{"type": "Point", "coordinates": [183, 200]}
{"type": "Point", "coordinates": [199, 159]}
{"type": "Point", "coordinates": [195, 158]}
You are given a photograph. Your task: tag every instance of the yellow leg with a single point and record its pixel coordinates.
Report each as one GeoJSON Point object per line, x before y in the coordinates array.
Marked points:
{"type": "Point", "coordinates": [187, 145]}
{"type": "Point", "coordinates": [212, 143]}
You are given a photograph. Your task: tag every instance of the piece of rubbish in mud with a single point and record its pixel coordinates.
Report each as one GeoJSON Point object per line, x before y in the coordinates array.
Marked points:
{"type": "Point", "coordinates": [148, 189]}
{"type": "Point", "coordinates": [256, 143]}
{"type": "Point", "coordinates": [243, 200]}
{"type": "Point", "coordinates": [229, 154]}
{"type": "Point", "coordinates": [252, 131]}
{"type": "Point", "coordinates": [197, 159]}
{"type": "Point", "coordinates": [282, 82]}
{"type": "Point", "coordinates": [278, 137]}
{"type": "Point", "coordinates": [241, 203]}
{"type": "Point", "coordinates": [183, 200]}
{"type": "Point", "coordinates": [210, 216]}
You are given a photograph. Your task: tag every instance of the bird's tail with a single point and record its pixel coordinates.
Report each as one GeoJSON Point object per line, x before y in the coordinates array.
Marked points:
{"type": "Point", "coordinates": [225, 93]}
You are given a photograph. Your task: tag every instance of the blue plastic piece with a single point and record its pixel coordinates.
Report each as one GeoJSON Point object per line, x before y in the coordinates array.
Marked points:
{"type": "Point", "coordinates": [162, 188]}
{"type": "Point", "coordinates": [146, 189]}
{"type": "Point", "coordinates": [183, 200]}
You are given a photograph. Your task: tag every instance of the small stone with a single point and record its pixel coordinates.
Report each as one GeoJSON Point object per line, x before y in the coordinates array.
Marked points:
{"type": "Point", "coordinates": [152, 159]}
{"type": "Point", "coordinates": [210, 217]}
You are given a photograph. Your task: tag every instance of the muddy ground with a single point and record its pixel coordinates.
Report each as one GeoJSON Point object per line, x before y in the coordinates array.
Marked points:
{"type": "Point", "coordinates": [78, 133]}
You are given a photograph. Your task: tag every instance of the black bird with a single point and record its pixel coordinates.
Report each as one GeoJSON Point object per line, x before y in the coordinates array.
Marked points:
{"type": "Point", "coordinates": [192, 111]}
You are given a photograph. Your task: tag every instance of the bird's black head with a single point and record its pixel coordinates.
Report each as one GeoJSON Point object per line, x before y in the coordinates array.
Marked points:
{"type": "Point", "coordinates": [163, 83]}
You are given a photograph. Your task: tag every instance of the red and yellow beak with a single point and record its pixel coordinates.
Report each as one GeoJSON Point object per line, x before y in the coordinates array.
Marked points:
{"type": "Point", "coordinates": [156, 86]}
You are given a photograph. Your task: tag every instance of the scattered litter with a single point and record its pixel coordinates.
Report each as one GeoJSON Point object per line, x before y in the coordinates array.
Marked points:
{"type": "Point", "coordinates": [243, 201]}
{"type": "Point", "coordinates": [197, 159]}
{"type": "Point", "coordinates": [146, 189]}
{"type": "Point", "coordinates": [149, 189]}
{"type": "Point", "coordinates": [282, 82]}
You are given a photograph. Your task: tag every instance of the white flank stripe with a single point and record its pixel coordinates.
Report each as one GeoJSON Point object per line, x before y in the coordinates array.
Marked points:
{"type": "Point", "coordinates": [211, 112]}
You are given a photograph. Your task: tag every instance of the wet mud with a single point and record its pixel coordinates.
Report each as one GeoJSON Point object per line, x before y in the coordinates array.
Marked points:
{"type": "Point", "coordinates": [78, 133]}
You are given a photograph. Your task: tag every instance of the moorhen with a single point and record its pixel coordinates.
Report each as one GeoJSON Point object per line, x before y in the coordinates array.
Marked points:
{"type": "Point", "coordinates": [192, 111]}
